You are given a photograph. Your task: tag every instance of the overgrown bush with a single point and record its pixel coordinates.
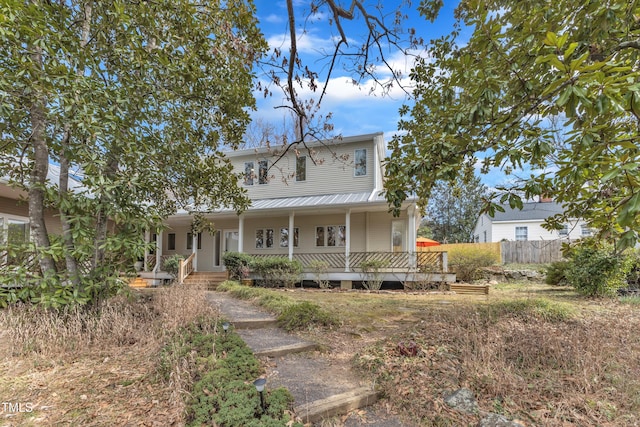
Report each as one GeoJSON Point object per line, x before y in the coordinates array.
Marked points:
{"type": "Point", "coordinates": [467, 261]}
{"type": "Point", "coordinates": [556, 273]}
{"type": "Point", "coordinates": [172, 264]}
{"type": "Point", "coordinates": [320, 269]}
{"type": "Point", "coordinates": [372, 271]}
{"type": "Point", "coordinates": [598, 270]}
{"type": "Point", "coordinates": [278, 271]}
{"type": "Point", "coordinates": [237, 264]}
{"type": "Point", "coordinates": [304, 316]}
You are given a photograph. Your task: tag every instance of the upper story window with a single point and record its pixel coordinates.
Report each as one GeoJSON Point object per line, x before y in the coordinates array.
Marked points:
{"type": "Point", "coordinates": [248, 173]}
{"type": "Point", "coordinates": [360, 162]}
{"type": "Point", "coordinates": [263, 168]}
{"type": "Point", "coordinates": [522, 233]}
{"type": "Point", "coordinates": [301, 168]}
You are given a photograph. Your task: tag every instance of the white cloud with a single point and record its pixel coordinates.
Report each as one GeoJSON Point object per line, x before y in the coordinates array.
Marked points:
{"type": "Point", "coordinates": [274, 19]}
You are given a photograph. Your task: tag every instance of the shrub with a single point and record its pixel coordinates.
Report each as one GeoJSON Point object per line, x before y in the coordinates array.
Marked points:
{"type": "Point", "coordinates": [598, 270]}
{"type": "Point", "coordinates": [278, 271]}
{"type": "Point", "coordinates": [224, 368]}
{"type": "Point", "coordinates": [172, 264]}
{"type": "Point", "coordinates": [556, 273]}
{"type": "Point", "coordinates": [467, 261]}
{"type": "Point", "coordinates": [237, 264]}
{"type": "Point", "coordinates": [371, 268]}
{"type": "Point", "coordinates": [305, 315]}
{"type": "Point", "coordinates": [320, 269]}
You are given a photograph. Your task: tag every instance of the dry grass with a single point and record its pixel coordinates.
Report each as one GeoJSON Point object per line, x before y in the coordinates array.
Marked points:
{"type": "Point", "coordinates": [536, 353]}
{"type": "Point", "coordinates": [97, 367]}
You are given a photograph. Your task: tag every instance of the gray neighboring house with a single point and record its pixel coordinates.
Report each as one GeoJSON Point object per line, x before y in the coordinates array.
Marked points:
{"type": "Point", "coordinates": [526, 224]}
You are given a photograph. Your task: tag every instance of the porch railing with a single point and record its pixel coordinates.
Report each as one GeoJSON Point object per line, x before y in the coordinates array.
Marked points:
{"type": "Point", "coordinates": [185, 267]}
{"type": "Point", "coordinates": [424, 261]}
{"type": "Point", "coordinates": [151, 262]}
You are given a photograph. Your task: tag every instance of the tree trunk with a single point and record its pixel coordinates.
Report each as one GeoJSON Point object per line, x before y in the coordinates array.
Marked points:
{"type": "Point", "coordinates": [39, 170]}
{"type": "Point", "coordinates": [67, 236]}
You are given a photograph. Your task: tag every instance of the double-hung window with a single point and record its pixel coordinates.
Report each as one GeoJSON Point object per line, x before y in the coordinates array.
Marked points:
{"type": "Point", "coordinates": [248, 173]}
{"type": "Point", "coordinates": [360, 162]}
{"type": "Point", "coordinates": [284, 237]}
{"type": "Point", "coordinates": [522, 233]}
{"type": "Point", "coordinates": [14, 232]}
{"type": "Point", "coordinates": [301, 168]}
{"type": "Point", "coordinates": [263, 169]}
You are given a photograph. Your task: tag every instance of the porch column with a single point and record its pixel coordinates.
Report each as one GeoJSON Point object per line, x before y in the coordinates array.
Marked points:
{"type": "Point", "coordinates": [147, 237]}
{"type": "Point", "coordinates": [240, 233]}
{"type": "Point", "coordinates": [158, 251]}
{"type": "Point", "coordinates": [291, 234]}
{"type": "Point", "coordinates": [411, 212]}
{"type": "Point", "coordinates": [347, 239]}
{"type": "Point", "coordinates": [194, 250]}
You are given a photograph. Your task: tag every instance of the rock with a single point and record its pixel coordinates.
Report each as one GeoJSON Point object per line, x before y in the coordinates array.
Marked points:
{"type": "Point", "coordinates": [496, 420]}
{"type": "Point", "coordinates": [462, 400]}
{"type": "Point", "coordinates": [493, 282]}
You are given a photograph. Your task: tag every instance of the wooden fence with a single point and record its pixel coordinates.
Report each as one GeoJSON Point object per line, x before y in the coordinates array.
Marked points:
{"type": "Point", "coordinates": [531, 252]}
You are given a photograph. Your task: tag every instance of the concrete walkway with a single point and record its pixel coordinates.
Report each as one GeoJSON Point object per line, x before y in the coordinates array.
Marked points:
{"type": "Point", "coordinates": [320, 391]}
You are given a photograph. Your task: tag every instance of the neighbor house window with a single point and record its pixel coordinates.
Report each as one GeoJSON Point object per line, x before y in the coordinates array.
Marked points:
{"type": "Point", "coordinates": [484, 236]}
{"type": "Point", "coordinates": [564, 231]}
{"type": "Point", "coordinates": [586, 231]}
{"type": "Point", "coordinates": [301, 168]}
{"type": "Point", "coordinates": [284, 237]}
{"type": "Point", "coordinates": [190, 240]}
{"type": "Point", "coordinates": [171, 242]}
{"type": "Point", "coordinates": [264, 238]}
{"type": "Point", "coordinates": [331, 235]}
{"type": "Point", "coordinates": [248, 173]}
{"type": "Point", "coordinates": [360, 162]}
{"type": "Point", "coordinates": [263, 168]}
{"type": "Point", "coordinates": [522, 233]}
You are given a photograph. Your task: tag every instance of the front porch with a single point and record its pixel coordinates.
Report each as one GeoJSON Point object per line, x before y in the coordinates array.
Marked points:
{"type": "Point", "coordinates": [398, 266]}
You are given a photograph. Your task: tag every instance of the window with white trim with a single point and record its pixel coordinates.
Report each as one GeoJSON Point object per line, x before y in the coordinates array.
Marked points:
{"type": "Point", "coordinates": [14, 231]}
{"type": "Point", "coordinates": [331, 235]}
{"type": "Point", "coordinates": [522, 233]}
{"type": "Point", "coordinates": [248, 173]}
{"type": "Point", "coordinates": [585, 230]}
{"type": "Point", "coordinates": [284, 237]}
{"type": "Point", "coordinates": [301, 168]}
{"type": "Point", "coordinates": [263, 169]}
{"type": "Point", "coordinates": [360, 162]}
{"type": "Point", "coordinates": [264, 238]}
{"type": "Point", "coordinates": [564, 231]}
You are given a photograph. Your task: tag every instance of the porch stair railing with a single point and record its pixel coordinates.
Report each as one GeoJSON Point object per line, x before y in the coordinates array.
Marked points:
{"type": "Point", "coordinates": [185, 268]}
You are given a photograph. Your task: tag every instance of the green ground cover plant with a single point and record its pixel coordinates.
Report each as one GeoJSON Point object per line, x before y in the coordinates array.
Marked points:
{"type": "Point", "coordinates": [223, 369]}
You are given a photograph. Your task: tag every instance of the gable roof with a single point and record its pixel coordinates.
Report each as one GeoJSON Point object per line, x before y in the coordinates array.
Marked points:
{"type": "Point", "coordinates": [529, 212]}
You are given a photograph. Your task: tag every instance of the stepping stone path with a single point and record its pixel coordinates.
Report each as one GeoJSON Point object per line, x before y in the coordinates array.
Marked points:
{"type": "Point", "coordinates": [320, 391]}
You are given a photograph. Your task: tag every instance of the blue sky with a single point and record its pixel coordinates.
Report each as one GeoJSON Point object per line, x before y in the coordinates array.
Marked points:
{"type": "Point", "coordinates": [355, 109]}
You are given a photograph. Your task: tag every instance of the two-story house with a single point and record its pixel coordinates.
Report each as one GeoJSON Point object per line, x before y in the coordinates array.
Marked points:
{"type": "Point", "coordinates": [323, 201]}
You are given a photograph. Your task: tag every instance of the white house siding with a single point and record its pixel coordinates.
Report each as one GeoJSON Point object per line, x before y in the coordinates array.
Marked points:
{"type": "Point", "coordinates": [333, 173]}
{"type": "Point", "coordinates": [535, 231]}
{"type": "Point", "coordinates": [482, 232]}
